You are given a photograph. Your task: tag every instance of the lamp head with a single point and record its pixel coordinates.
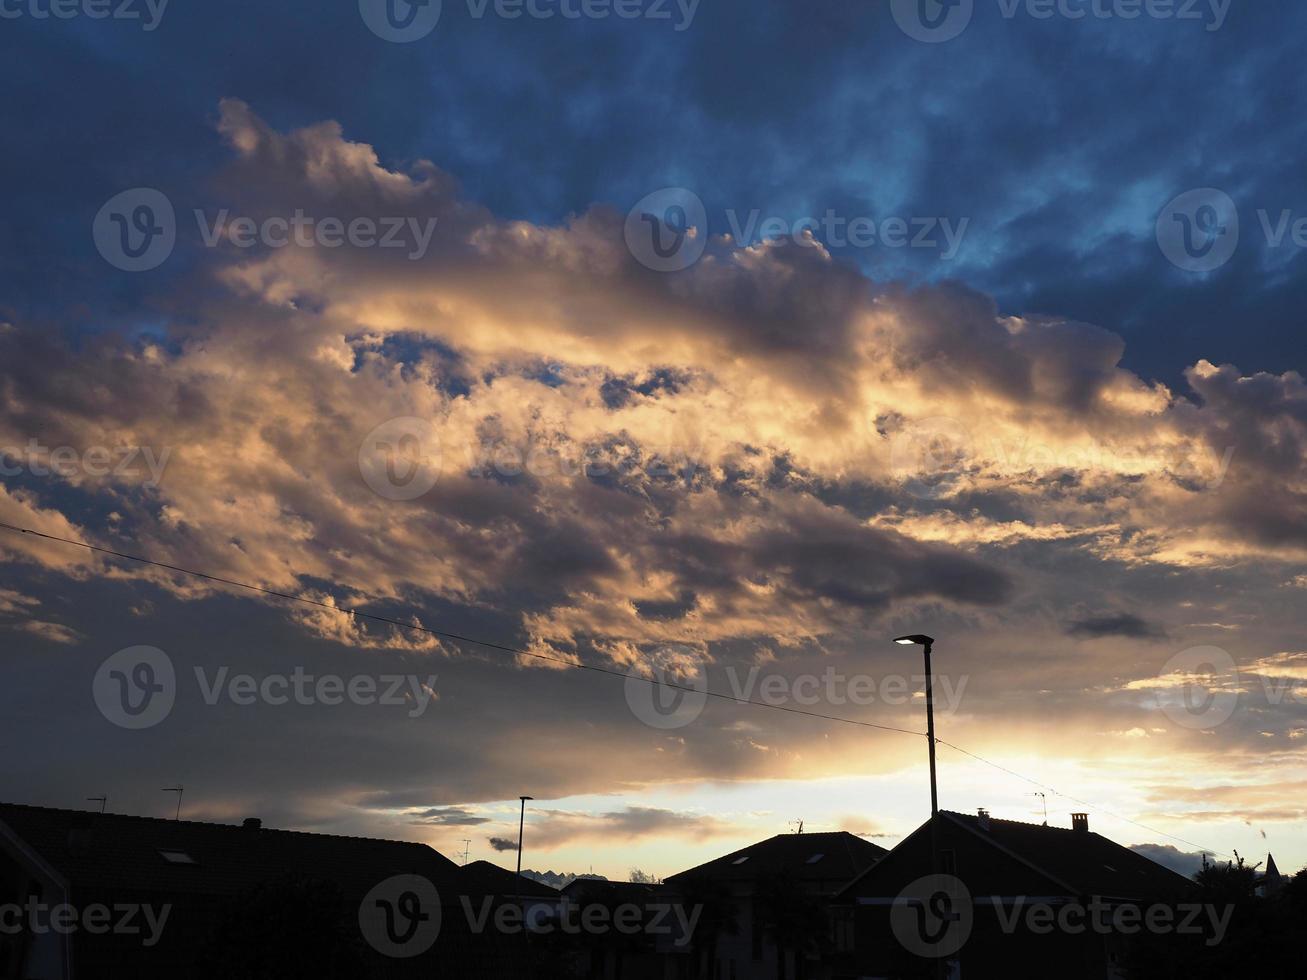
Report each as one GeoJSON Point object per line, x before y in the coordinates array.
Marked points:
{"type": "Point", "coordinates": [918, 639]}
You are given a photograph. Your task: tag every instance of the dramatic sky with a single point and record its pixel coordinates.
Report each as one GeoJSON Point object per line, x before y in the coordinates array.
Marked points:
{"type": "Point", "coordinates": [991, 331]}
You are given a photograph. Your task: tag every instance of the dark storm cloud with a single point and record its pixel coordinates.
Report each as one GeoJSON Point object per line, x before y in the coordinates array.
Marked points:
{"type": "Point", "coordinates": [449, 816]}
{"type": "Point", "coordinates": [1118, 624]}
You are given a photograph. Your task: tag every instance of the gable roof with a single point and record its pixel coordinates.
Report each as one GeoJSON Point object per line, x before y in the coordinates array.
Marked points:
{"type": "Point", "coordinates": [1075, 862]}
{"type": "Point", "coordinates": [598, 890]}
{"type": "Point", "coordinates": [484, 878]}
{"type": "Point", "coordinates": [1087, 862]}
{"type": "Point", "coordinates": [182, 857]}
{"type": "Point", "coordinates": [838, 856]}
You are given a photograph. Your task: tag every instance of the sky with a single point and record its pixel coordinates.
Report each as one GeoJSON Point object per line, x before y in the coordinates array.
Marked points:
{"type": "Point", "coordinates": [714, 343]}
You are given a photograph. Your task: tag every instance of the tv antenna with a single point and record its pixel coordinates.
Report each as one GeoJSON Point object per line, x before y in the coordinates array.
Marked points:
{"type": "Point", "coordinates": [1045, 801]}
{"type": "Point", "coordinates": [798, 825]}
{"type": "Point", "coordinates": [102, 800]}
{"type": "Point", "coordinates": [467, 846]}
{"type": "Point", "coordinates": [179, 790]}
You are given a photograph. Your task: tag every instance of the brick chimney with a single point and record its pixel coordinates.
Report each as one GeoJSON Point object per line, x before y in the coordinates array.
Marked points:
{"type": "Point", "coordinates": [983, 816]}
{"type": "Point", "coordinates": [1080, 822]}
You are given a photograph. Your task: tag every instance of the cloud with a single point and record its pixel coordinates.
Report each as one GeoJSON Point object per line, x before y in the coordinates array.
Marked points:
{"type": "Point", "coordinates": [556, 828]}
{"type": "Point", "coordinates": [770, 451]}
{"type": "Point", "coordinates": [1187, 863]}
{"type": "Point", "coordinates": [1118, 624]}
{"type": "Point", "coordinates": [449, 816]}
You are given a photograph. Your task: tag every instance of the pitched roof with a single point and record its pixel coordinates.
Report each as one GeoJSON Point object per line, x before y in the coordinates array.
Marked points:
{"type": "Point", "coordinates": [1087, 862]}
{"type": "Point", "coordinates": [597, 890]}
{"type": "Point", "coordinates": [182, 857]}
{"type": "Point", "coordinates": [1076, 862]}
{"type": "Point", "coordinates": [838, 856]}
{"type": "Point", "coordinates": [483, 878]}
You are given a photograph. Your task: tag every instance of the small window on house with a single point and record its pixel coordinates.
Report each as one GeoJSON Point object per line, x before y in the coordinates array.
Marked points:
{"type": "Point", "coordinates": [177, 857]}
{"type": "Point", "coordinates": [815, 858]}
{"type": "Point", "coordinates": [741, 859]}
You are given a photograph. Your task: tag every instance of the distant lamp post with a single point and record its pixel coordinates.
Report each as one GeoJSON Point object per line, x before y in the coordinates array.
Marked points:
{"type": "Point", "coordinates": [925, 642]}
{"type": "Point", "coordinates": [521, 825]}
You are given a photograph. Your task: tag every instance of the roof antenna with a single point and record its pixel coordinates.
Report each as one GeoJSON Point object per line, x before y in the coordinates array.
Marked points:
{"type": "Point", "coordinates": [178, 789]}
{"type": "Point", "coordinates": [800, 825]}
{"type": "Point", "coordinates": [102, 800]}
{"type": "Point", "coordinates": [1045, 799]}
{"type": "Point", "coordinates": [467, 846]}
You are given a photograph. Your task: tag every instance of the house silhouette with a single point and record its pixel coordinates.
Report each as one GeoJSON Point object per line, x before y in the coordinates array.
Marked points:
{"type": "Point", "coordinates": [766, 904]}
{"type": "Point", "coordinates": [991, 865]}
{"type": "Point", "coordinates": [232, 899]}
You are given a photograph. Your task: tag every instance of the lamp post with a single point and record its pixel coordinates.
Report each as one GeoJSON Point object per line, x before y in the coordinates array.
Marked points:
{"type": "Point", "coordinates": [521, 825]}
{"type": "Point", "coordinates": [926, 642]}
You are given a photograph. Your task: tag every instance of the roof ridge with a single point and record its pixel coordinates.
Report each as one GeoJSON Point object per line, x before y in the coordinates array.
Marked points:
{"type": "Point", "coordinates": [1019, 823]}
{"type": "Point", "coordinates": [208, 823]}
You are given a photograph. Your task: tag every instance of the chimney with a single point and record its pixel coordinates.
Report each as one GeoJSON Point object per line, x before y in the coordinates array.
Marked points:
{"type": "Point", "coordinates": [1080, 822]}
{"type": "Point", "coordinates": [983, 815]}
{"type": "Point", "coordinates": [252, 823]}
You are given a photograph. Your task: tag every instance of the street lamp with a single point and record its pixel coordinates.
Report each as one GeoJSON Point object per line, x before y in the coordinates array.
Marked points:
{"type": "Point", "coordinates": [925, 642]}
{"type": "Point", "coordinates": [520, 826]}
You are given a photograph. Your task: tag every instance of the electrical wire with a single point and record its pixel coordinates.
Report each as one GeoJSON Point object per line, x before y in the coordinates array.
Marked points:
{"type": "Point", "coordinates": [594, 668]}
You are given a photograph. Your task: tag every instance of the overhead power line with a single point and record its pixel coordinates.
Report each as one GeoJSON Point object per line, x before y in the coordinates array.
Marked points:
{"type": "Point", "coordinates": [458, 637]}
{"type": "Point", "coordinates": [1090, 806]}
{"type": "Point", "coordinates": [575, 665]}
